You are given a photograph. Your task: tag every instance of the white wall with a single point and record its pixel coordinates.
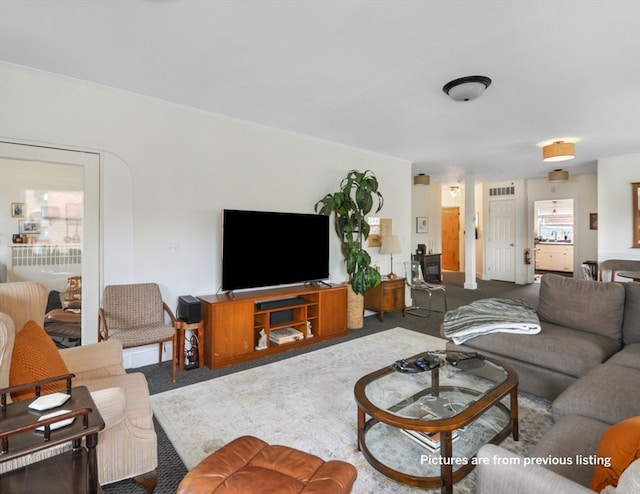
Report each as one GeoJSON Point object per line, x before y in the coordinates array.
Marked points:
{"type": "Point", "coordinates": [168, 172]}
{"type": "Point", "coordinates": [426, 202]}
{"type": "Point", "coordinates": [615, 219]}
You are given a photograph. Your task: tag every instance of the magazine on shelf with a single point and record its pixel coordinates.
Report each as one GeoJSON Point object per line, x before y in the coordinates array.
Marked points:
{"type": "Point", "coordinates": [430, 440]}
{"type": "Point", "coordinates": [284, 335]}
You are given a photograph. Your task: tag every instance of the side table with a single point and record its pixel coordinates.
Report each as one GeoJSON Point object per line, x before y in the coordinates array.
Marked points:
{"type": "Point", "coordinates": [179, 347]}
{"type": "Point", "coordinates": [388, 296]}
{"type": "Point", "coordinates": [71, 471]}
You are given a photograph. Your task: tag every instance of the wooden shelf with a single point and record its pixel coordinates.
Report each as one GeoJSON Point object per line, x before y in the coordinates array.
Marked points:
{"type": "Point", "coordinates": [233, 322]}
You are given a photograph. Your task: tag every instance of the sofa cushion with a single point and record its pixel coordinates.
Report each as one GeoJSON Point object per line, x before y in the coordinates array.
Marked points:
{"type": "Point", "coordinates": [609, 393]}
{"type": "Point", "coordinates": [629, 356]}
{"type": "Point", "coordinates": [561, 349]}
{"type": "Point", "coordinates": [570, 436]}
{"type": "Point", "coordinates": [621, 444]}
{"type": "Point", "coordinates": [629, 482]}
{"type": "Point", "coordinates": [580, 304]}
{"type": "Point", "coordinates": [35, 357]}
{"type": "Point", "coordinates": [631, 325]}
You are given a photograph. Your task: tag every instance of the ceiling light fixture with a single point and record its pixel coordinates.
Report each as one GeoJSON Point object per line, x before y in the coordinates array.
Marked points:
{"type": "Point", "coordinates": [467, 88]}
{"type": "Point", "coordinates": [558, 175]}
{"type": "Point", "coordinates": [559, 151]}
{"type": "Point", "coordinates": [454, 190]}
{"type": "Point", "coordinates": [421, 179]}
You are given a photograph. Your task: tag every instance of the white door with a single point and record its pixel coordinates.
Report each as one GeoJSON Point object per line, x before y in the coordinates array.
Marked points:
{"type": "Point", "coordinates": [502, 240]}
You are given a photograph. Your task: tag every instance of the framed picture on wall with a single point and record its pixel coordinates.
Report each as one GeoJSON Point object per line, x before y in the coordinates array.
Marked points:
{"type": "Point", "coordinates": [29, 226]}
{"type": "Point", "coordinates": [17, 209]}
{"type": "Point", "coordinates": [593, 221]}
{"type": "Point", "coordinates": [422, 224]}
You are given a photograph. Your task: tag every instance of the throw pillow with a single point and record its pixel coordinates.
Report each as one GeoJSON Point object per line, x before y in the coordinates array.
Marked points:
{"type": "Point", "coordinates": [620, 443]}
{"type": "Point", "coordinates": [35, 357]}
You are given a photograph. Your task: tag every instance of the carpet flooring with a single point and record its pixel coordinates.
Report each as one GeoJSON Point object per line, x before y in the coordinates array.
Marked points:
{"type": "Point", "coordinates": [170, 467]}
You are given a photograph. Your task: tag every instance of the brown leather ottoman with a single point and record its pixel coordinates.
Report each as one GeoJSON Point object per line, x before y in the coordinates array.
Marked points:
{"type": "Point", "coordinates": [249, 465]}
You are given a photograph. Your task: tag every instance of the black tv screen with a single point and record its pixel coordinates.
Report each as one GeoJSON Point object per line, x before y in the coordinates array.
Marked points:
{"type": "Point", "coordinates": [261, 248]}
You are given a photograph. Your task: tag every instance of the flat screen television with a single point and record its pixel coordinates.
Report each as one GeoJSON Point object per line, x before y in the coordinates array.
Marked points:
{"type": "Point", "coordinates": [261, 248]}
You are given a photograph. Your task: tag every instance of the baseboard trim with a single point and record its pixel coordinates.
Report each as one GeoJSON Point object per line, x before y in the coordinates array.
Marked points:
{"type": "Point", "coordinates": [146, 355]}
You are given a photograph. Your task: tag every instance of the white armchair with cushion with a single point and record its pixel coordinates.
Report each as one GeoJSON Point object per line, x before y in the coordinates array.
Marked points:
{"type": "Point", "coordinates": [127, 447]}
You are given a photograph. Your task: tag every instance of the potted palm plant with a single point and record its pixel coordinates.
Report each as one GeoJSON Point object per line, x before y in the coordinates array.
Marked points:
{"type": "Point", "coordinates": [357, 197]}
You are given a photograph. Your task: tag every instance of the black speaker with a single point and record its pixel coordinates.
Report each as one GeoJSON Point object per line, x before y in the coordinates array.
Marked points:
{"type": "Point", "coordinates": [281, 316]}
{"type": "Point", "coordinates": [189, 309]}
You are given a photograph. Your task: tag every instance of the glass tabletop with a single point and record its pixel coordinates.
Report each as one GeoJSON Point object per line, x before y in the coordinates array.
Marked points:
{"type": "Point", "coordinates": [427, 395]}
{"type": "Point", "coordinates": [414, 401]}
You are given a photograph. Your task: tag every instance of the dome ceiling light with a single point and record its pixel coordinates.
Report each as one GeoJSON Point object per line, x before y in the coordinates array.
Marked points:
{"type": "Point", "coordinates": [558, 175]}
{"type": "Point", "coordinates": [559, 151]}
{"type": "Point", "coordinates": [467, 88]}
{"type": "Point", "coordinates": [421, 179]}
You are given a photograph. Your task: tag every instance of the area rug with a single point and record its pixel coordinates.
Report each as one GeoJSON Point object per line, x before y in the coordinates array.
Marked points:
{"type": "Point", "coordinates": [307, 402]}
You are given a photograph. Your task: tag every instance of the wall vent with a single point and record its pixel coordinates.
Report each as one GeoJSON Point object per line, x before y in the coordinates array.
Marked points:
{"type": "Point", "coordinates": [502, 191]}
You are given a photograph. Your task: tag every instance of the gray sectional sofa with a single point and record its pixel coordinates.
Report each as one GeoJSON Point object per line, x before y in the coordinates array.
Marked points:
{"type": "Point", "coordinates": [587, 360]}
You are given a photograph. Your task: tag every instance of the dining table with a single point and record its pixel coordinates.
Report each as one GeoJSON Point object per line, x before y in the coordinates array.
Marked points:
{"type": "Point", "coordinates": [633, 275]}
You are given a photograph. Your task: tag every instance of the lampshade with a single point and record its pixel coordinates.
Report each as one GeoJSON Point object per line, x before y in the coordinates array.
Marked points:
{"type": "Point", "coordinates": [558, 176]}
{"type": "Point", "coordinates": [390, 245]}
{"type": "Point", "coordinates": [467, 88]}
{"type": "Point", "coordinates": [559, 151]}
{"type": "Point", "coordinates": [421, 179]}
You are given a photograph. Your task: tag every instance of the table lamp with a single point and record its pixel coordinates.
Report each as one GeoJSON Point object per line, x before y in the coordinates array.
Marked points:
{"type": "Point", "coordinates": [391, 245]}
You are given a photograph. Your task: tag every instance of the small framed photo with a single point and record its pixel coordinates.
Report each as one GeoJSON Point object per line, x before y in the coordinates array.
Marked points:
{"type": "Point", "coordinates": [593, 221]}
{"type": "Point", "coordinates": [29, 226]}
{"type": "Point", "coordinates": [422, 224]}
{"type": "Point", "coordinates": [17, 209]}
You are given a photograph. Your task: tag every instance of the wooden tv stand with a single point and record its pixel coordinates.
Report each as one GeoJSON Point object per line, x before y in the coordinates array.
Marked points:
{"type": "Point", "coordinates": [232, 323]}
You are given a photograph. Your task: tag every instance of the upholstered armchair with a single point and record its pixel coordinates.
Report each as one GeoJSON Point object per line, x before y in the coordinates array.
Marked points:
{"type": "Point", "coordinates": [135, 315]}
{"type": "Point", "coordinates": [127, 447]}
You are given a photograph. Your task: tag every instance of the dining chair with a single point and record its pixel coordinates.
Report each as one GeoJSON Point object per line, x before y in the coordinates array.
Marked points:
{"type": "Point", "coordinates": [416, 283]}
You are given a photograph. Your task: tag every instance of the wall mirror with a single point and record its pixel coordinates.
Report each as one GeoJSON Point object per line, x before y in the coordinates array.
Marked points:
{"type": "Point", "coordinates": [635, 187]}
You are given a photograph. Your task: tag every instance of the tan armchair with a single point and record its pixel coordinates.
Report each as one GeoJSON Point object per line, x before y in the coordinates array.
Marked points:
{"type": "Point", "coordinates": [135, 315]}
{"type": "Point", "coordinates": [127, 447]}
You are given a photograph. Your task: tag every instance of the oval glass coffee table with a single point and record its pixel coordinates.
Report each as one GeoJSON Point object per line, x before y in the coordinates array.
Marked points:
{"type": "Point", "coordinates": [426, 426]}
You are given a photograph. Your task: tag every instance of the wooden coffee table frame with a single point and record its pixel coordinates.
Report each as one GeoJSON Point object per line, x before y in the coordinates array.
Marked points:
{"type": "Point", "coordinates": [445, 426]}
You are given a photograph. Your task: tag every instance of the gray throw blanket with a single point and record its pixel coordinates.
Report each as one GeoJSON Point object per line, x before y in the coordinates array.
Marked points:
{"type": "Point", "coordinates": [490, 315]}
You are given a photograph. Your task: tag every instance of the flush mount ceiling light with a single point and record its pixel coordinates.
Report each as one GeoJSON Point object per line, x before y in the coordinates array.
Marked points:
{"type": "Point", "coordinates": [467, 88]}
{"type": "Point", "coordinates": [558, 175]}
{"type": "Point", "coordinates": [559, 151]}
{"type": "Point", "coordinates": [421, 179]}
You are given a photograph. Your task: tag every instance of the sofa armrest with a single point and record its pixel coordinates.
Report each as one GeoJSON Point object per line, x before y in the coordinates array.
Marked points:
{"type": "Point", "coordinates": [94, 361]}
{"type": "Point", "coordinates": [501, 472]}
{"type": "Point", "coordinates": [112, 405]}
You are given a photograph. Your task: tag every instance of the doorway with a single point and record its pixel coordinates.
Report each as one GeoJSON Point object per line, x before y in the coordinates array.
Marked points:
{"type": "Point", "coordinates": [451, 238]}
{"type": "Point", "coordinates": [60, 223]}
{"type": "Point", "coordinates": [553, 236]}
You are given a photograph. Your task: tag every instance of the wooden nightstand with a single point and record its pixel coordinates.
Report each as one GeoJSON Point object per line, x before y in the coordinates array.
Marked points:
{"type": "Point", "coordinates": [388, 296]}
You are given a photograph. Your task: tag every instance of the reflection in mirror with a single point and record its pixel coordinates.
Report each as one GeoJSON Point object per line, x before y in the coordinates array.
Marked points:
{"type": "Point", "coordinates": [636, 214]}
